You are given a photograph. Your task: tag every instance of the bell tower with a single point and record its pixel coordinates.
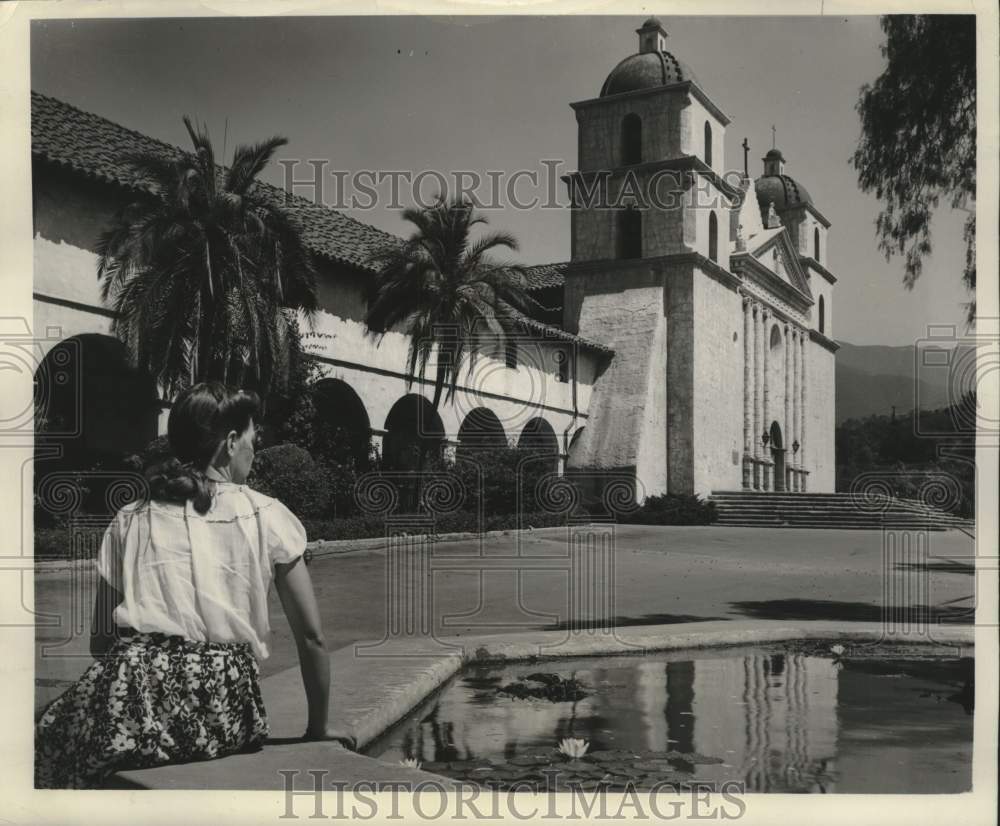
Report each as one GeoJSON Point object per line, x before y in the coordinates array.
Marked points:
{"type": "Point", "coordinates": [649, 274]}
{"type": "Point", "coordinates": [650, 157]}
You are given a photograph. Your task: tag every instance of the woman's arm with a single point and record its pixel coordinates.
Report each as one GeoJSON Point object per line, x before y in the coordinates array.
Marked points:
{"type": "Point", "coordinates": [298, 599]}
{"type": "Point", "coordinates": [103, 631]}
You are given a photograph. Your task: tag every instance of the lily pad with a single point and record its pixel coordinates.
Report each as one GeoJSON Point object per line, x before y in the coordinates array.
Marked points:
{"type": "Point", "coordinates": [556, 690]}
{"type": "Point", "coordinates": [530, 760]}
{"type": "Point", "coordinates": [653, 765]}
{"type": "Point", "coordinates": [612, 755]}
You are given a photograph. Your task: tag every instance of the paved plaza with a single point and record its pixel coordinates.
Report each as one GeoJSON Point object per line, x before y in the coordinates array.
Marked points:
{"type": "Point", "coordinates": [662, 575]}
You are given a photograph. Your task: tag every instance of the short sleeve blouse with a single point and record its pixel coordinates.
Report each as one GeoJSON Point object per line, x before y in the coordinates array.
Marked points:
{"type": "Point", "coordinates": [202, 576]}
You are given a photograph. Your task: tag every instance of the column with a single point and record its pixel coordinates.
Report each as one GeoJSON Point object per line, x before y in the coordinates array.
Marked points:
{"type": "Point", "coordinates": [766, 403]}
{"type": "Point", "coordinates": [787, 424]}
{"type": "Point", "coordinates": [803, 416]}
{"type": "Point", "coordinates": [755, 436]}
{"type": "Point", "coordinates": [377, 438]}
{"type": "Point", "coordinates": [748, 392]}
{"type": "Point", "coordinates": [796, 407]}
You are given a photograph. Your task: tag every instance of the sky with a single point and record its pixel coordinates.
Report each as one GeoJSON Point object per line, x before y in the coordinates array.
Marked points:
{"type": "Point", "coordinates": [492, 94]}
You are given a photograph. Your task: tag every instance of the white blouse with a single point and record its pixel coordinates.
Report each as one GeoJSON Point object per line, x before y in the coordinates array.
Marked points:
{"type": "Point", "coordinates": [203, 577]}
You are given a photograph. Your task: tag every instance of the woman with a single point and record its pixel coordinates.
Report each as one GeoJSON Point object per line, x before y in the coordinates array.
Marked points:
{"type": "Point", "coordinates": [180, 618]}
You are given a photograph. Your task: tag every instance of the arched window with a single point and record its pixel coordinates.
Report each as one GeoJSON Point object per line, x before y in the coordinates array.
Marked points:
{"type": "Point", "coordinates": [816, 243]}
{"type": "Point", "coordinates": [629, 233]}
{"type": "Point", "coordinates": [713, 237]}
{"type": "Point", "coordinates": [631, 139]}
{"type": "Point", "coordinates": [822, 315]}
{"type": "Point", "coordinates": [708, 143]}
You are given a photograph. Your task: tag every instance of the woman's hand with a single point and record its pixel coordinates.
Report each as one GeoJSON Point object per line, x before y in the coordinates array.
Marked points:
{"type": "Point", "coordinates": [349, 741]}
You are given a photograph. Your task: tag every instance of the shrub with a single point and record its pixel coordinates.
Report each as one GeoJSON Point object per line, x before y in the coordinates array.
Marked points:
{"type": "Point", "coordinates": [58, 543]}
{"type": "Point", "coordinates": [288, 473]}
{"type": "Point", "coordinates": [502, 479]}
{"type": "Point", "coordinates": [673, 509]}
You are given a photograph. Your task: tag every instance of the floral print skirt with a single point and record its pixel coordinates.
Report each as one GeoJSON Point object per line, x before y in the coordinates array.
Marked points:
{"type": "Point", "coordinates": [152, 699]}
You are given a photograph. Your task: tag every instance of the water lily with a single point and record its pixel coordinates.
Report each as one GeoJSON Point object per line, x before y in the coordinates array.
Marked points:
{"type": "Point", "coordinates": [573, 747]}
{"type": "Point", "coordinates": [410, 763]}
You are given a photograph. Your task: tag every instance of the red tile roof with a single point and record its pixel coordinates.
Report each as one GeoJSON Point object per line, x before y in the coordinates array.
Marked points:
{"type": "Point", "coordinates": [98, 148]}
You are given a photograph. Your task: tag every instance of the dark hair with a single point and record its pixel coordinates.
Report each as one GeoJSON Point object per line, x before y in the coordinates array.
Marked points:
{"type": "Point", "coordinates": [200, 419]}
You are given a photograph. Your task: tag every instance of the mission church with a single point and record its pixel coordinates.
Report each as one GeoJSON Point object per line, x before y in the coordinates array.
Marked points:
{"type": "Point", "coordinates": [691, 350]}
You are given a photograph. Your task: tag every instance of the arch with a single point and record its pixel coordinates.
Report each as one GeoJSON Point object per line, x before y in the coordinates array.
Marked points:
{"type": "Point", "coordinates": [412, 426]}
{"type": "Point", "coordinates": [777, 456]}
{"type": "Point", "coordinates": [92, 411]}
{"type": "Point", "coordinates": [816, 243]}
{"type": "Point", "coordinates": [631, 139]}
{"type": "Point", "coordinates": [342, 428]}
{"type": "Point", "coordinates": [629, 233]}
{"type": "Point", "coordinates": [94, 394]}
{"type": "Point", "coordinates": [481, 429]}
{"type": "Point", "coordinates": [713, 237]}
{"type": "Point", "coordinates": [708, 143]}
{"type": "Point", "coordinates": [775, 433]}
{"type": "Point", "coordinates": [822, 315]}
{"type": "Point", "coordinates": [538, 437]}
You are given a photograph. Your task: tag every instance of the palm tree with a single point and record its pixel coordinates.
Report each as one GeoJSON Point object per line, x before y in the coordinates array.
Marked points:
{"type": "Point", "coordinates": [445, 291]}
{"type": "Point", "coordinates": [205, 276]}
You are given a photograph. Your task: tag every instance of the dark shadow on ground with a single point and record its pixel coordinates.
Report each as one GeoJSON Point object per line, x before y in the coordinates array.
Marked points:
{"type": "Point", "coordinates": [623, 622]}
{"type": "Point", "coordinates": [827, 609]}
{"type": "Point", "coordinates": [943, 567]}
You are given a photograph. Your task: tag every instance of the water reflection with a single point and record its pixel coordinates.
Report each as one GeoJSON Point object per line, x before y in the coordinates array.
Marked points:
{"type": "Point", "coordinates": [780, 721]}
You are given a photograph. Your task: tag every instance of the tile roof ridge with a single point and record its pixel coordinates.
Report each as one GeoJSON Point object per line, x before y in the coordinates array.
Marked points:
{"type": "Point", "coordinates": [114, 123]}
{"type": "Point", "coordinates": [286, 198]}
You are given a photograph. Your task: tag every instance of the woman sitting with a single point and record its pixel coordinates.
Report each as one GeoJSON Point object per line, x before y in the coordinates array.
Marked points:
{"type": "Point", "coordinates": [180, 618]}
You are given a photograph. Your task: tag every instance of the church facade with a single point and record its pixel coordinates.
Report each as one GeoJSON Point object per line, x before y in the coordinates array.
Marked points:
{"type": "Point", "coordinates": [711, 288]}
{"type": "Point", "coordinates": [691, 350]}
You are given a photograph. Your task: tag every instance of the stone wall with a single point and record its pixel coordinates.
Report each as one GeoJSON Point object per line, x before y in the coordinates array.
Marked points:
{"type": "Point", "coordinates": [693, 120]}
{"type": "Point", "coordinates": [819, 286]}
{"type": "Point", "coordinates": [675, 222]}
{"type": "Point", "coordinates": [673, 124]}
{"type": "Point", "coordinates": [681, 377]}
{"type": "Point", "coordinates": [376, 370]}
{"type": "Point", "coordinates": [623, 308]}
{"type": "Point", "coordinates": [69, 214]}
{"type": "Point", "coordinates": [600, 129]}
{"type": "Point", "coordinates": [718, 386]}
{"type": "Point", "coordinates": [821, 426]}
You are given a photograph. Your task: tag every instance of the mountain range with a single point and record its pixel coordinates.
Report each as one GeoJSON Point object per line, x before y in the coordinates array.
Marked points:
{"type": "Point", "coordinates": [872, 379]}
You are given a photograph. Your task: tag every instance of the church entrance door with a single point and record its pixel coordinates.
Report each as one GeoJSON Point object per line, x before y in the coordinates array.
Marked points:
{"type": "Point", "coordinates": [778, 457]}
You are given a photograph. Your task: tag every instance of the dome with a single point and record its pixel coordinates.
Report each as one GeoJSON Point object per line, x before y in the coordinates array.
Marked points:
{"type": "Point", "coordinates": [783, 190]}
{"type": "Point", "coordinates": [646, 71]}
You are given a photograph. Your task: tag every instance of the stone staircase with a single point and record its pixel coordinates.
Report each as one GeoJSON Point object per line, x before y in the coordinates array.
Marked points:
{"type": "Point", "coordinates": [829, 510]}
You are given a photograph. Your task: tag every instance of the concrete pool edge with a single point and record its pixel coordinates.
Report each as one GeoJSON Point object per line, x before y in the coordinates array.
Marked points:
{"type": "Point", "coordinates": [376, 685]}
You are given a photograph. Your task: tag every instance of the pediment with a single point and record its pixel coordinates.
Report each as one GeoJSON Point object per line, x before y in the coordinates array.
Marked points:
{"type": "Point", "coordinates": [776, 253]}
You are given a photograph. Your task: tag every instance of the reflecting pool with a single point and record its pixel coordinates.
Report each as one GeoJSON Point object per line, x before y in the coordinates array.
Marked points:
{"type": "Point", "coordinates": [788, 718]}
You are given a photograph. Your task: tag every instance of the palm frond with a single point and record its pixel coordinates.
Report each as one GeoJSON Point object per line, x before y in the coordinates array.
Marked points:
{"type": "Point", "coordinates": [249, 161]}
